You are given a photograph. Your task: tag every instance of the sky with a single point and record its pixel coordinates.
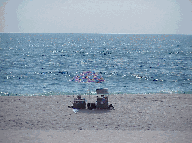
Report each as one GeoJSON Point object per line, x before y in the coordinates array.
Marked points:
{"type": "Point", "coordinates": [96, 16]}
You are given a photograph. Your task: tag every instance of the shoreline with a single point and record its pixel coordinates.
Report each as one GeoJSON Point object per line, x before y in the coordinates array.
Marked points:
{"type": "Point", "coordinates": [92, 94]}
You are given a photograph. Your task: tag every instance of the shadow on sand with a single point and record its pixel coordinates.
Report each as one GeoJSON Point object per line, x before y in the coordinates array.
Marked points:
{"type": "Point", "coordinates": [94, 111]}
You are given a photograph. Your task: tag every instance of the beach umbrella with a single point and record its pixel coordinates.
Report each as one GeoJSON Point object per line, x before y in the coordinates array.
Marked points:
{"type": "Point", "coordinates": [88, 77]}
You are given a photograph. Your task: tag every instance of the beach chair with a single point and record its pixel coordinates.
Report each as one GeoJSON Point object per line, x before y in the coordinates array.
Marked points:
{"type": "Point", "coordinates": [102, 99]}
{"type": "Point", "coordinates": [79, 103]}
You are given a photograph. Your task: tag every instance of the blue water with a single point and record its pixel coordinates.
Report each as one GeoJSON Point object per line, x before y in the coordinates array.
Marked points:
{"type": "Point", "coordinates": [44, 64]}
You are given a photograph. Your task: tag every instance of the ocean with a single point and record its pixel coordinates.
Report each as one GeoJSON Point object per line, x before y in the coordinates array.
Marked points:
{"type": "Point", "coordinates": [44, 63]}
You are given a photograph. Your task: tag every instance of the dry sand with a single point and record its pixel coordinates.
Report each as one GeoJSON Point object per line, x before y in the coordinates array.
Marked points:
{"type": "Point", "coordinates": [136, 118]}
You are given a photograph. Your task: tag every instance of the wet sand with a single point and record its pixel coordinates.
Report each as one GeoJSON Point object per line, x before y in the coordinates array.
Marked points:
{"type": "Point", "coordinates": [136, 118]}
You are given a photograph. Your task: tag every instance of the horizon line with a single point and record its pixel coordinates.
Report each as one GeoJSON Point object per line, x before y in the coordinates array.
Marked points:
{"type": "Point", "coordinates": [93, 33]}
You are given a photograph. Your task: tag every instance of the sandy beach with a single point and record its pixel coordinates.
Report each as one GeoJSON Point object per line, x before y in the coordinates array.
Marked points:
{"type": "Point", "coordinates": [136, 118]}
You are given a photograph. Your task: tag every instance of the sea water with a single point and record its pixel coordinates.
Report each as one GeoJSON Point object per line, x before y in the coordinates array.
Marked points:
{"type": "Point", "coordinates": [45, 63]}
